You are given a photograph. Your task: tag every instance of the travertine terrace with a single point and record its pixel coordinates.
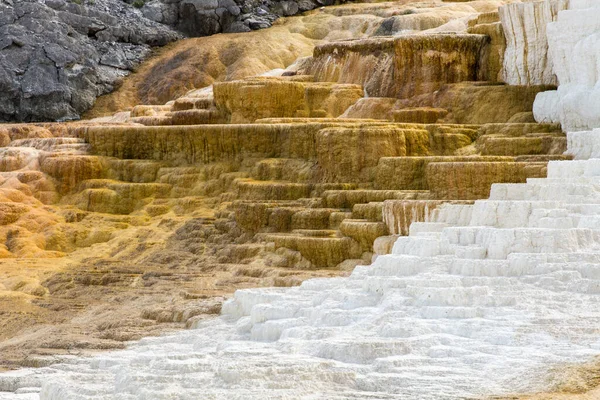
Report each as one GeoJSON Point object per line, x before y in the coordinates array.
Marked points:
{"type": "Point", "coordinates": [358, 138]}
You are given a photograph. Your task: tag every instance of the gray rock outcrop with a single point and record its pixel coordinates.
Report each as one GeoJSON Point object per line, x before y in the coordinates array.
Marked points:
{"type": "Point", "coordinates": [56, 56]}
{"type": "Point", "coordinates": [207, 17]}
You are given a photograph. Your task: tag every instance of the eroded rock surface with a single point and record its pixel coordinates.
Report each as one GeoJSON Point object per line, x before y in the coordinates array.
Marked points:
{"type": "Point", "coordinates": [197, 63]}
{"type": "Point", "coordinates": [573, 43]}
{"type": "Point", "coordinates": [528, 60]}
{"type": "Point", "coordinates": [241, 161]}
{"type": "Point", "coordinates": [57, 56]}
{"type": "Point", "coordinates": [468, 294]}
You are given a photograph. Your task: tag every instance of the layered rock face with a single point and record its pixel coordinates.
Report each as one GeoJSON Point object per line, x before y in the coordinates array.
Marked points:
{"type": "Point", "coordinates": [468, 295]}
{"type": "Point", "coordinates": [528, 60]}
{"type": "Point", "coordinates": [553, 42]}
{"type": "Point", "coordinates": [157, 212]}
{"type": "Point", "coordinates": [301, 177]}
{"type": "Point", "coordinates": [249, 100]}
{"type": "Point", "coordinates": [401, 67]}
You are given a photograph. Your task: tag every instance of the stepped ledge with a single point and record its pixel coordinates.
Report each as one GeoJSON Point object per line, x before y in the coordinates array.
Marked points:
{"type": "Point", "coordinates": [395, 200]}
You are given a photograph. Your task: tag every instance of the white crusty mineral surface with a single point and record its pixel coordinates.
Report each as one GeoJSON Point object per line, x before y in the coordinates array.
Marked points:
{"type": "Point", "coordinates": [483, 301]}
{"type": "Point", "coordinates": [574, 45]}
{"type": "Point", "coordinates": [526, 59]}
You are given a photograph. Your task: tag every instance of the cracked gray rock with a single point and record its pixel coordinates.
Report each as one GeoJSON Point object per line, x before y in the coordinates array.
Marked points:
{"type": "Point", "coordinates": [57, 57]}
{"type": "Point", "coordinates": [207, 17]}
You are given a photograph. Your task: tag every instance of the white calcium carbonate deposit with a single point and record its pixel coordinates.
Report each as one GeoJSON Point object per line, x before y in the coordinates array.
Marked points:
{"type": "Point", "coordinates": [574, 45]}
{"type": "Point", "coordinates": [526, 59]}
{"type": "Point", "coordinates": [488, 299]}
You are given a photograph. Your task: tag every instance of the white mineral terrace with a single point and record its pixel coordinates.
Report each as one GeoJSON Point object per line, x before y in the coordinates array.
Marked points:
{"type": "Point", "coordinates": [488, 299]}
{"type": "Point", "coordinates": [574, 47]}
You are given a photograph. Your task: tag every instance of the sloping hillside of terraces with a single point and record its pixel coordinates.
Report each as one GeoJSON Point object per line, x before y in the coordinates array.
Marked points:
{"type": "Point", "coordinates": [265, 167]}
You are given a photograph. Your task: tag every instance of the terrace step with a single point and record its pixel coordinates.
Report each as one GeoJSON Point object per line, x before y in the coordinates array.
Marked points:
{"type": "Point", "coordinates": [276, 190]}
{"type": "Point", "coordinates": [363, 231]}
{"type": "Point", "coordinates": [348, 198]}
{"type": "Point", "coordinates": [322, 252]}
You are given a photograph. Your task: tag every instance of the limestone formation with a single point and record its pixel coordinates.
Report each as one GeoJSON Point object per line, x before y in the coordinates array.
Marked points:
{"type": "Point", "coordinates": [297, 96]}
{"type": "Point", "coordinates": [297, 178]}
{"type": "Point", "coordinates": [527, 60]}
{"type": "Point", "coordinates": [240, 161]}
{"type": "Point", "coordinates": [468, 295]}
{"type": "Point", "coordinates": [401, 67]}
{"type": "Point", "coordinates": [551, 42]}
{"type": "Point", "coordinates": [352, 154]}
{"type": "Point", "coordinates": [492, 58]}
{"type": "Point", "coordinates": [197, 63]}
{"type": "Point", "coordinates": [572, 40]}
{"type": "Point", "coordinates": [460, 103]}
